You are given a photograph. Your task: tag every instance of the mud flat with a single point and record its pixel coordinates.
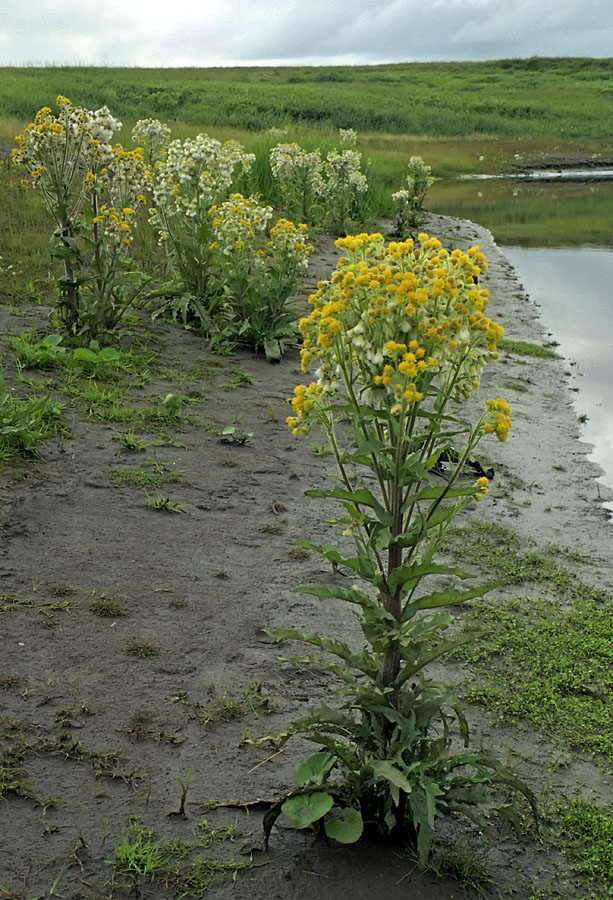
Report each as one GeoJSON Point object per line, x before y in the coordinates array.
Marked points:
{"type": "Point", "coordinates": [95, 733]}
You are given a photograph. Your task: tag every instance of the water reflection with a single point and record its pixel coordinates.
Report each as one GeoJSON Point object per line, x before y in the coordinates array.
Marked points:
{"type": "Point", "coordinates": [531, 213]}
{"type": "Point", "coordinates": [573, 289]}
{"type": "Point", "coordinates": [544, 228]}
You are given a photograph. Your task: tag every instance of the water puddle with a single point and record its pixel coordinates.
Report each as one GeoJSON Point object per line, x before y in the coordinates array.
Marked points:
{"type": "Point", "coordinates": [591, 174]}
{"type": "Point", "coordinates": [572, 286]}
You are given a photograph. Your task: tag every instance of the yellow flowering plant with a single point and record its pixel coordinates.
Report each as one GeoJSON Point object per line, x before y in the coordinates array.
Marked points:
{"type": "Point", "coordinates": [398, 337]}
{"type": "Point", "coordinates": [259, 268]}
{"type": "Point", "coordinates": [92, 190]}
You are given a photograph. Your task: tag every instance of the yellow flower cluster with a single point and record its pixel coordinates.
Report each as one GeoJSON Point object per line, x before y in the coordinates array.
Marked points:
{"type": "Point", "coordinates": [498, 418]}
{"type": "Point", "coordinates": [238, 221]}
{"type": "Point", "coordinates": [400, 322]}
{"type": "Point", "coordinates": [125, 178]}
{"type": "Point", "coordinates": [56, 150]}
{"type": "Point", "coordinates": [291, 242]}
{"type": "Point", "coordinates": [302, 402]}
{"type": "Point", "coordinates": [115, 223]}
{"type": "Point", "coordinates": [482, 484]}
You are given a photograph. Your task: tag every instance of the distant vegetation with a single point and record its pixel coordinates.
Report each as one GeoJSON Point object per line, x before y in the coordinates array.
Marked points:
{"type": "Point", "coordinates": [515, 98]}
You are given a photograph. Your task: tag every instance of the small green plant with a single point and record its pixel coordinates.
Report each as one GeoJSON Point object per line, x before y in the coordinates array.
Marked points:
{"type": "Point", "coordinates": [298, 553]}
{"type": "Point", "coordinates": [268, 528]}
{"type": "Point", "coordinates": [155, 476]}
{"type": "Point", "coordinates": [511, 384]}
{"type": "Point", "coordinates": [142, 649]}
{"type": "Point", "coordinates": [209, 834]}
{"type": "Point", "coordinates": [131, 442]}
{"type": "Point", "coordinates": [470, 866]}
{"type": "Point", "coordinates": [238, 378]}
{"type": "Point", "coordinates": [163, 504]}
{"type": "Point", "coordinates": [138, 855]}
{"type": "Point", "coordinates": [93, 360]}
{"type": "Point", "coordinates": [527, 348]}
{"type": "Point", "coordinates": [226, 708]}
{"type": "Point", "coordinates": [25, 423]}
{"type": "Point", "coordinates": [233, 434]}
{"type": "Point", "coordinates": [184, 789]}
{"type": "Point", "coordinates": [106, 607]}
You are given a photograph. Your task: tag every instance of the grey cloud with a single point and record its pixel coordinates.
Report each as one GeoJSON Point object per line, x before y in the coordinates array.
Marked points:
{"type": "Point", "coordinates": [229, 32]}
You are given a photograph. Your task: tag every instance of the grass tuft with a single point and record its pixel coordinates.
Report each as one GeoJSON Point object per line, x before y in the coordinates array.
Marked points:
{"type": "Point", "coordinates": [526, 348]}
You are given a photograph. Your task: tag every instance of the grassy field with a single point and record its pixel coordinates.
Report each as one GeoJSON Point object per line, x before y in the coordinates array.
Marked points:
{"type": "Point", "coordinates": [461, 117]}
{"type": "Point", "coordinates": [529, 98]}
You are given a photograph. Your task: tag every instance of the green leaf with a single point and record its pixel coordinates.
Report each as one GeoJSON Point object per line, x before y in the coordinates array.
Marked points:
{"type": "Point", "coordinates": [403, 575]}
{"type": "Point", "coordinates": [384, 769]}
{"type": "Point", "coordinates": [82, 354]}
{"type": "Point", "coordinates": [360, 496]}
{"type": "Point", "coordinates": [433, 493]}
{"type": "Point", "coordinates": [108, 354]}
{"type": "Point", "coordinates": [350, 595]}
{"type": "Point", "coordinates": [346, 828]}
{"type": "Point", "coordinates": [447, 598]}
{"type": "Point", "coordinates": [52, 340]}
{"type": "Point", "coordinates": [304, 809]}
{"type": "Point", "coordinates": [315, 768]}
{"type": "Point", "coordinates": [440, 650]}
{"type": "Point", "coordinates": [371, 446]}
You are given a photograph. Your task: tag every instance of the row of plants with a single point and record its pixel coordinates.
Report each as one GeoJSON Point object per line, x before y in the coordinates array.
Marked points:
{"type": "Point", "coordinates": [399, 335]}
{"type": "Point", "coordinates": [230, 268]}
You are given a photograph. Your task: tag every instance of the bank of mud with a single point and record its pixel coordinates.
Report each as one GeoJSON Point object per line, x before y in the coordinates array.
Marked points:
{"type": "Point", "coordinates": [100, 735]}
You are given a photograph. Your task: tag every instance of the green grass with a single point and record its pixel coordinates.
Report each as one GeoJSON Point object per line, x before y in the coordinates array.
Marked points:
{"type": "Point", "coordinates": [560, 97]}
{"type": "Point", "coordinates": [155, 476]}
{"type": "Point", "coordinates": [106, 607]}
{"type": "Point", "coordinates": [586, 833]}
{"type": "Point", "coordinates": [526, 348]}
{"type": "Point", "coordinates": [141, 857]}
{"type": "Point", "coordinates": [549, 658]}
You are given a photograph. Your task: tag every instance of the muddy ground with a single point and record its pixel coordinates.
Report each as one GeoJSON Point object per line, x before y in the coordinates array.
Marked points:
{"type": "Point", "coordinates": [98, 732]}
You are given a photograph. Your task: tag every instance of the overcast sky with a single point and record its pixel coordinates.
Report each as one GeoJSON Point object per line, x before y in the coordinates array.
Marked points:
{"type": "Point", "coordinates": [300, 32]}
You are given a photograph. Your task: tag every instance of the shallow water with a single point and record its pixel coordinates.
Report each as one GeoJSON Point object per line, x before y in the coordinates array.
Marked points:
{"type": "Point", "coordinates": [531, 213]}
{"type": "Point", "coordinates": [559, 238]}
{"type": "Point", "coordinates": [573, 288]}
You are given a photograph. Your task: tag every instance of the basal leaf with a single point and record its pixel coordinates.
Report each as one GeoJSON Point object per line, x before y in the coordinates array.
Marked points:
{"type": "Point", "coordinates": [314, 769]}
{"type": "Point", "coordinates": [304, 809]}
{"type": "Point", "coordinates": [346, 828]}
